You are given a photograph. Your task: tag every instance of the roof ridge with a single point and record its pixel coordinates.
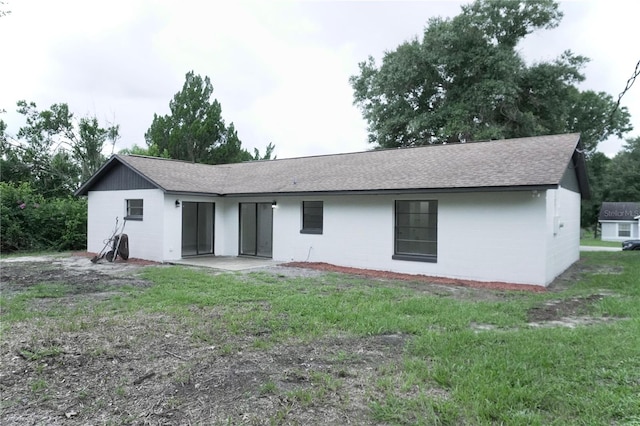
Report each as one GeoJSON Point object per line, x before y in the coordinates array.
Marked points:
{"type": "Point", "coordinates": [370, 151]}
{"type": "Point", "coordinates": [151, 157]}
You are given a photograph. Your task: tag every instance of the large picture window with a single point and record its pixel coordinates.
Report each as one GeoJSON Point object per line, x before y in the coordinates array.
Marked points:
{"type": "Point", "coordinates": [312, 217]}
{"type": "Point", "coordinates": [416, 230]}
{"type": "Point", "coordinates": [134, 210]}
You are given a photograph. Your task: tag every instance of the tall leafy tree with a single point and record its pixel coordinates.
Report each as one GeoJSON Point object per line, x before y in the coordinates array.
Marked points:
{"type": "Point", "coordinates": [612, 179]}
{"type": "Point", "coordinates": [194, 127]}
{"type": "Point", "coordinates": [598, 173]}
{"type": "Point", "coordinates": [53, 151]}
{"type": "Point", "coordinates": [464, 80]}
{"type": "Point", "coordinates": [56, 129]}
{"type": "Point", "coordinates": [40, 167]}
{"type": "Point", "coordinates": [195, 130]}
{"type": "Point", "coordinates": [623, 174]}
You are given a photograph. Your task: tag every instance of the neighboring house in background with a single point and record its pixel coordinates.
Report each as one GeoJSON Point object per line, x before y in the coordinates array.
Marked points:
{"type": "Point", "coordinates": [505, 210]}
{"type": "Point", "coordinates": [619, 221]}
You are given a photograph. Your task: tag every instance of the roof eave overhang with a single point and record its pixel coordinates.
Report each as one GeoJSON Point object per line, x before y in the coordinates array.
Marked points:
{"type": "Point", "coordinates": [193, 193]}
{"type": "Point", "coordinates": [537, 187]}
{"type": "Point", "coordinates": [580, 165]}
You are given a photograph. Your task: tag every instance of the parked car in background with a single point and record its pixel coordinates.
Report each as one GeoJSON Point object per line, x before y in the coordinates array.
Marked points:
{"type": "Point", "coordinates": [631, 245]}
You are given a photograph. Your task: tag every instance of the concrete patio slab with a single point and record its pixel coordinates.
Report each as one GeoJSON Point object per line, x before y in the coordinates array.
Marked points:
{"type": "Point", "coordinates": [227, 263]}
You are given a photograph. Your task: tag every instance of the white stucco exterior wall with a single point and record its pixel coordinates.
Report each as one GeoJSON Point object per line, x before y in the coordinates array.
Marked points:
{"type": "Point", "coordinates": [562, 231]}
{"type": "Point", "coordinates": [497, 236]}
{"type": "Point", "coordinates": [493, 237]}
{"type": "Point", "coordinates": [228, 225]}
{"type": "Point", "coordinates": [145, 236]}
{"type": "Point", "coordinates": [523, 237]}
{"type": "Point", "coordinates": [172, 248]}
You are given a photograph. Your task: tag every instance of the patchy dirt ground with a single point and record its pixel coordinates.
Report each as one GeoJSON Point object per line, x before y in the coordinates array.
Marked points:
{"type": "Point", "coordinates": [149, 368]}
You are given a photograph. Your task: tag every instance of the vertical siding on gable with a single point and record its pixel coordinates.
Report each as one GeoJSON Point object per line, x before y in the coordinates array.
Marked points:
{"type": "Point", "coordinates": [570, 180]}
{"type": "Point", "coordinates": [122, 177]}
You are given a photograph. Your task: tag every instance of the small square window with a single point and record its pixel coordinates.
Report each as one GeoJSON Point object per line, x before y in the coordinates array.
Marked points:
{"type": "Point", "coordinates": [134, 210]}
{"type": "Point", "coordinates": [312, 212]}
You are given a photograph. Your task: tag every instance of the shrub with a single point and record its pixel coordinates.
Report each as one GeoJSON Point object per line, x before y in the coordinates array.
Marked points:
{"type": "Point", "coordinates": [31, 222]}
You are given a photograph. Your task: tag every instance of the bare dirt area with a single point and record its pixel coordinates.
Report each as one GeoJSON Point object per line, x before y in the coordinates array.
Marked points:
{"type": "Point", "coordinates": [75, 271]}
{"type": "Point", "coordinates": [162, 369]}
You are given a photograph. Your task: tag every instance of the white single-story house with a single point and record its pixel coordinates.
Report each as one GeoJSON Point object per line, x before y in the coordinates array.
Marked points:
{"type": "Point", "coordinates": [504, 210]}
{"type": "Point", "coordinates": [619, 221]}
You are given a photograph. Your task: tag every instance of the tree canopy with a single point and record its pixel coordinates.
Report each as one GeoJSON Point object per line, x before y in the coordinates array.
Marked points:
{"type": "Point", "coordinates": [612, 179]}
{"type": "Point", "coordinates": [465, 80]}
{"type": "Point", "coordinates": [195, 130]}
{"type": "Point", "coordinates": [622, 181]}
{"type": "Point", "coordinates": [41, 166]}
{"type": "Point", "coordinates": [53, 151]}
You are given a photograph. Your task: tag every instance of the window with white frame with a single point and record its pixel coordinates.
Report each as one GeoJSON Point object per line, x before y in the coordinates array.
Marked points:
{"type": "Point", "coordinates": [134, 209]}
{"type": "Point", "coordinates": [624, 230]}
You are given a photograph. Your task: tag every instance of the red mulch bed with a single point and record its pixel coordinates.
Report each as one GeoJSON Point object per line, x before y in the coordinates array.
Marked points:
{"type": "Point", "coordinates": [131, 260]}
{"type": "Point", "coordinates": [370, 273]}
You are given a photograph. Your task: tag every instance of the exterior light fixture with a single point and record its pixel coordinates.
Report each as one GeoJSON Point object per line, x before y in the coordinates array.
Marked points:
{"type": "Point", "coordinates": [274, 205]}
{"type": "Point", "coordinates": [177, 203]}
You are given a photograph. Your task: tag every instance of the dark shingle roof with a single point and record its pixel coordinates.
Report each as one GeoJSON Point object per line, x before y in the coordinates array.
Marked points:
{"type": "Point", "coordinates": [525, 162]}
{"type": "Point", "coordinates": [619, 211]}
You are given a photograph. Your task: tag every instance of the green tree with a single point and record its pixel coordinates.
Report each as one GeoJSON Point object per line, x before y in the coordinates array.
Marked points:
{"type": "Point", "coordinates": [32, 158]}
{"type": "Point", "coordinates": [150, 151]}
{"type": "Point", "coordinates": [12, 169]}
{"type": "Point", "coordinates": [598, 175]}
{"type": "Point", "coordinates": [268, 152]}
{"type": "Point", "coordinates": [623, 174]}
{"type": "Point", "coordinates": [464, 80]}
{"type": "Point", "coordinates": [40, 167]}
{"type": "Point", "coordinates": [33, 222]}
{"type": "Point", "coordinates": [195, 130]}
{"type": "Point", "coordinates": [54, 146]}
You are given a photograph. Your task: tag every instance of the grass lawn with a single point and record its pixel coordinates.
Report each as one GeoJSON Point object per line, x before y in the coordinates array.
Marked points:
{"type": "Point", "coordinates": [588, 240]}
{"type": "Point", "coordinates": [460, 356]}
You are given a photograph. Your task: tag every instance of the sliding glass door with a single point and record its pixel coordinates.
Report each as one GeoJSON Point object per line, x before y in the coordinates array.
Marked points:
{"type": "Point", "coordinates": [256, 229]}
{"type": "Point", "coordinates": [197, 228]}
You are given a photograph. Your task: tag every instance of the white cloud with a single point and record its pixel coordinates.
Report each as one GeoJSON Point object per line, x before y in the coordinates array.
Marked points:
{"type": "Point", "coordinates": [279, 69]}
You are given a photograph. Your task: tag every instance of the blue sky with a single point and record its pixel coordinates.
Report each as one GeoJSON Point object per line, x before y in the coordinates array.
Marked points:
{"type": "Point", "coordinates": [280, 69]}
